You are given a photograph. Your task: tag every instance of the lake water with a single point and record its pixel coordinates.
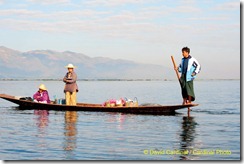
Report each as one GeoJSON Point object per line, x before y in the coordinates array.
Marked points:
{"type": "Point", "coordinates": [211, 132]}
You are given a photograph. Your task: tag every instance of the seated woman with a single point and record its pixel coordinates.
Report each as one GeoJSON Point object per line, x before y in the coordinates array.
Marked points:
{"type": "Point", "coordinates": [41, 95]}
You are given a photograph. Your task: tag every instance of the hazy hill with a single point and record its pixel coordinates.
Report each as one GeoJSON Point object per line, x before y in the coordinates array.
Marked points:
{"type": "Point", "coordinates": [50, 64]}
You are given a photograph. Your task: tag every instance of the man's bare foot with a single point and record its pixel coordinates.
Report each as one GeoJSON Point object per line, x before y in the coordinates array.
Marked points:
{"type": "Point", "coordinates": [184, 102]}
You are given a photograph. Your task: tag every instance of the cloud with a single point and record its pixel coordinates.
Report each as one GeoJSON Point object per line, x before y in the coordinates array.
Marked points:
{"type": "Point", "coordinates": [56, 15]}
{"type": "Point", "coordinates": [215, 18]}
{"type": "Point", "coordinates": [79, 14]}
{"type": "Point", "coordinates": [113, 3]}
{"type": "Point", "coordinates": [50, 2]}
{"type": "Point", "coordinates": [145, 25]}
{"type": "Point", "coordinates": [232, 5]}
{"type": "Point", "coordinates": [158, 22]}
{"type": "Point", "coordinates": [20, 13]}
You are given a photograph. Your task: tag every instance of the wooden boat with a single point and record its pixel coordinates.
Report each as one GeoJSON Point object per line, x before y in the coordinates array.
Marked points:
{"type": "Point", "coordinates": [159, 109]}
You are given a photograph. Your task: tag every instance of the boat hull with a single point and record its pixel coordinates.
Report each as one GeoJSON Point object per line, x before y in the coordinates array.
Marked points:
{"type": "Point", "coordinates": [30, 105]}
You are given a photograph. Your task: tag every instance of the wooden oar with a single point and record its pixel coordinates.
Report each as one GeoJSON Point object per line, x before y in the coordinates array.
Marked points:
{"type": "Point", "coordinates": [175, 68]}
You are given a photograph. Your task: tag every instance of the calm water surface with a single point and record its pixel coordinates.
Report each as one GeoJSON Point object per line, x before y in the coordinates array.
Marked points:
{"type": "Point", "coordinates": [211, 132]}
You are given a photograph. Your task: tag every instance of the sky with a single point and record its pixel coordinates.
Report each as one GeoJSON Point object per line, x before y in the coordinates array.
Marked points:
{"type": "Point", "coordinates": [145, 31]}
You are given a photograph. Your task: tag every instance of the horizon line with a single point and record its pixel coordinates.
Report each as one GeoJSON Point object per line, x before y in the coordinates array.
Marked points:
{"type": "Point", "coordinates": [102, 79]}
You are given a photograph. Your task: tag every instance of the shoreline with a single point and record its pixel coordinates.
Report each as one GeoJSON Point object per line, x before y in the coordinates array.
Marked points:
{"type": "Point", "coordinates": [49, 79]}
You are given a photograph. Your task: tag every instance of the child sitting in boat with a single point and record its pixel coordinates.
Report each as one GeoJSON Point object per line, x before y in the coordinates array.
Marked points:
{"type": "Point", "coordinates": [42, 95]}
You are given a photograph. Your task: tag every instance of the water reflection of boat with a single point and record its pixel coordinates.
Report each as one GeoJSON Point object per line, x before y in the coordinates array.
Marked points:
{"type": "Point", "coordinates": [118, 118]}
{"type": "Point", "coordinates": [42, 119]}
{"type": "Point", "coordinates": [42, 123]}
{"type": "Point", "coordinates": [70, 130]}
{"type": "Point", "coordinates": [151, 109]}
{"type": "Point", "coordinates": [187, 136]}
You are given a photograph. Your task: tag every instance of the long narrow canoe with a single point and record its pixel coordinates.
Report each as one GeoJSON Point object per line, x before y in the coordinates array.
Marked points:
{"type": "Point", "coordinates": [151, 109]}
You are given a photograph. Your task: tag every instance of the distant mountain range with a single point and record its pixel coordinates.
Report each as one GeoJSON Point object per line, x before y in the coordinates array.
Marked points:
{"type": "Point", "coordinates": [50, 64]}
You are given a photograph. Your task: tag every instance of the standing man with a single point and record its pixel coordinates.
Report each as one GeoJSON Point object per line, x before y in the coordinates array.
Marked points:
{"type": "Point", "coordinates": [71, 87]}
{"type": "Point", "coordinates": [189, 68]}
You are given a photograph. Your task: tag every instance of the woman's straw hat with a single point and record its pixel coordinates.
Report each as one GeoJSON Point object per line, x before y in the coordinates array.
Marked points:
{"type": "Point", "coordinates": [42, 87]}
{"type": "Point", "coordinates": [70, 66]}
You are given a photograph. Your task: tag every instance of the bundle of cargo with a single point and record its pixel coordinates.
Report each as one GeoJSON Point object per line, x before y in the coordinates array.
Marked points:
{"type": "Point", "coordinates": [131, 103]}
{"type": "Point", "coordinates": [121, 102]}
